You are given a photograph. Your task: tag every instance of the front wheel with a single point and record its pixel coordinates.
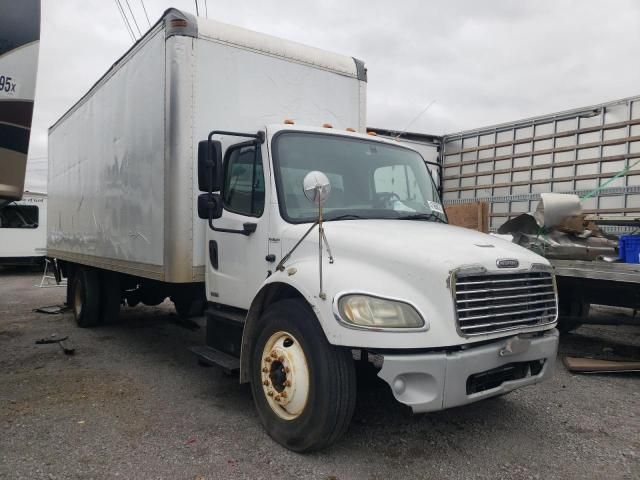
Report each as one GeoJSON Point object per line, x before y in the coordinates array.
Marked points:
{"type": "Point", "coordinates": [304, 388]}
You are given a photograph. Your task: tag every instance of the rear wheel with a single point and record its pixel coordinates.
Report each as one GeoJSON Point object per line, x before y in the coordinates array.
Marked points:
{"type": "Point", "coordinates": [304, 388]}
{"type": "Point", "coordinates": [86, 297]}
{"type": "Point", "coordinates": [111, 297]}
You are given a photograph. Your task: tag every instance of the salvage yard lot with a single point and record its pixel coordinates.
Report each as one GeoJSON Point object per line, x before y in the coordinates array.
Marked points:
{"type": "Point", "coordinates": [133, 403]}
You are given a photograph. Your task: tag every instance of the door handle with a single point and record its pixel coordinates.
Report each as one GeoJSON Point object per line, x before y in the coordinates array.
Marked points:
{"type": "Point", "coordinates": [249, 227]}
{"type": "Point", "coordinates": [213, 253]}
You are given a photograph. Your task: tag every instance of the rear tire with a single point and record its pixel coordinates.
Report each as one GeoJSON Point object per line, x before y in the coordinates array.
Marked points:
{"type": "Point", "coordinates": [292, 355]}
{"type": "Point", "coordinates": [183, 307]}
{"type": "Point", "coordinates": [86, 297]}
{"type": "Point", "coordinates": [111, 298]}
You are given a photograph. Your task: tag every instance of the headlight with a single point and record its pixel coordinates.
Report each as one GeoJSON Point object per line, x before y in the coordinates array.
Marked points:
{"type": "Point", "coordinates": [367, 311]}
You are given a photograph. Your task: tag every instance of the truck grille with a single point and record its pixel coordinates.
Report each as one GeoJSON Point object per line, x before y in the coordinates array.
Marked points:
{"type": "Point", "coordinates": [488, 303]}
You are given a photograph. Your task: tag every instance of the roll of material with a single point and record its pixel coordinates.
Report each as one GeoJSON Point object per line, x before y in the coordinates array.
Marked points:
{"type": "Point", "coordinates": [555, 208]}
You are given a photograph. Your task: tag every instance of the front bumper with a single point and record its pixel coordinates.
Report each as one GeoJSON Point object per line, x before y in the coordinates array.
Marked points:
{"type": "Point", "coordinates": [435, 381]}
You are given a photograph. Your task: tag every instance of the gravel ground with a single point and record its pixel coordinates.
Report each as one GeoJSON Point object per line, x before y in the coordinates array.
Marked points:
{"type": "Point", "coordinates": [133, 403]}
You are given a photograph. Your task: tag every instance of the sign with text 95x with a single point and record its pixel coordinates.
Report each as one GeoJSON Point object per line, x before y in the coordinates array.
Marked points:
{"type": "Point", "coordinates": [8, 85]}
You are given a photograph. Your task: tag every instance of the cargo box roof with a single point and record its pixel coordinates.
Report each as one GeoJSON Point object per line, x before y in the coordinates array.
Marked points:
{"type": "Point", "coordinates": [270, 45]}
{"type": "Point", "coordinates": [177, 22]}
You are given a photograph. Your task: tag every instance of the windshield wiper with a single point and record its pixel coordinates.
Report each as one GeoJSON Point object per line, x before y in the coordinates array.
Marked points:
{"type": "Point", "coordinates": [346, 216]}
{"type": "Point", "coordinates": [423, 216]}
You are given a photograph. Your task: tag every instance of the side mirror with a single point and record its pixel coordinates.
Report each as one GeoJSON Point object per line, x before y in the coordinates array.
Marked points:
{"type": "Point", "coordinates": [209, 206]}
{"type": "Point", "coordinates": [316, 187]}
{"type": "Point", "coordinates": [209, 166]}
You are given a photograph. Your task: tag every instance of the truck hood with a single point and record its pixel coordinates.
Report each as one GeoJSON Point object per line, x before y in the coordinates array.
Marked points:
{"type": "Point", "coordinates": [404, 260]}
{"type": "Point", "coordinates": [412, 243]}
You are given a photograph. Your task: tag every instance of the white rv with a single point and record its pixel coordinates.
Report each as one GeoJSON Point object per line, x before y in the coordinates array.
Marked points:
{"type": "Point", "coordinates": [213, 160]}
{"type": "Point", "coordinates": [19, 46]}
{"type": "Point", "coordinates": [23, 230]}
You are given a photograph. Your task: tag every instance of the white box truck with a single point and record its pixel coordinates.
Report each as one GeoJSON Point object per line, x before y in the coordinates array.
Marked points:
{"type": "Point", "coordinates": [313, 241]}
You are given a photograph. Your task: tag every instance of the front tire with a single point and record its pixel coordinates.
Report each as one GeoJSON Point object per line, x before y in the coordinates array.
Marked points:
{"type": "Point", "coordinates": [86, 297]}
{"type": "Point", "coordinates": [303, 387]}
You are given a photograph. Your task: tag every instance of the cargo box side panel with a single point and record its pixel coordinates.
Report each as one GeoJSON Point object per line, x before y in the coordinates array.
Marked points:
{"type": "Point", "coordinates": [106, 169]}
{"type": "Point", "coordinates": [243, 90]}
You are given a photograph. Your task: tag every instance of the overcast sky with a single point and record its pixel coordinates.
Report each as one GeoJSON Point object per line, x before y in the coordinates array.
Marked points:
{"type": "Point", "coordinates": [483, 62]}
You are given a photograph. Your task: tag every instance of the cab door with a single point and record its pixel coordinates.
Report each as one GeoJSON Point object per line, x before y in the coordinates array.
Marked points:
{"type": "Point", "coordinates": [236, 264]}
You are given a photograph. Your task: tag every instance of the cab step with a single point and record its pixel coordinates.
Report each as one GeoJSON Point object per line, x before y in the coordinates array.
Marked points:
{"type": "Point", "coordinates": [211, 356]}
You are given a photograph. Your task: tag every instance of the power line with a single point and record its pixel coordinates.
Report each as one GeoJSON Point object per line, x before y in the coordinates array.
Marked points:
{"type": "Point", "coordinates": [124, 19]}
{"type": "Point", "coordinates": [145, 13]}
{"type": "Point", "coordinates": [415, 118]}
{"type": "Point", "coordinates": [133, 17]}
{"type": "Point", "coordinates": [197, 11]}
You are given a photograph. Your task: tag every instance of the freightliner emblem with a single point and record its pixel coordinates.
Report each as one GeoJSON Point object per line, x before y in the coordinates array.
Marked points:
{"type": "Point", "coordinates": [507, 263]}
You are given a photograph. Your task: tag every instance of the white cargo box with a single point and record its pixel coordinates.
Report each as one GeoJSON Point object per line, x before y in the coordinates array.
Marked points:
{"type": "Point", "coordinates": [122, 161]}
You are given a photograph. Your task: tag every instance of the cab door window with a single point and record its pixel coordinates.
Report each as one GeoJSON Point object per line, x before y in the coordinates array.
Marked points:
{"type": "Point", "coordinates": [243, 187]}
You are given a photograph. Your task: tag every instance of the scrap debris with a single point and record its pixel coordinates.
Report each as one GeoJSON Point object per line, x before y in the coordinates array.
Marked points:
{"type": "Point", "coordinates": [52, 309]}
{"type": "Point", "coordinates": [63, 342]}
{"type": "Point", "coordinates": [53, 339]}
{"type": "Point", "coordinates": [592, 365]}
{"type": "Point", "coordinates": [559, 230]}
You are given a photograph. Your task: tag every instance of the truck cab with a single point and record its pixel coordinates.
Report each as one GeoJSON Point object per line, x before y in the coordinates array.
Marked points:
{"type": "Point", "coordinates": [367, 265]}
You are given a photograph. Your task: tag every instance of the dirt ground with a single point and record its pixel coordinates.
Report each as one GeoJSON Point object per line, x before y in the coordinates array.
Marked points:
{"type": "Point", "coordinates": [133, 403]}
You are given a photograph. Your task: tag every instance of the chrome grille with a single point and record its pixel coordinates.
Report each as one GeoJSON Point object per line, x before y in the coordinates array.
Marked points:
{"type": "Point", "coordinates": [495, 302]}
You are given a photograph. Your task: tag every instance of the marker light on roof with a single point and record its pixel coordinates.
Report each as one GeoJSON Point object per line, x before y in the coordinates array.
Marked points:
{"type": "Point", "coordinates": [327, 125]}
{"type": "Point", "coordinates": [288, 122]}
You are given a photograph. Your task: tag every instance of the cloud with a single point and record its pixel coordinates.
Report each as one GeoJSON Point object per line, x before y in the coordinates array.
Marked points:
{"type": "Point", "coordinates": [483, 62]}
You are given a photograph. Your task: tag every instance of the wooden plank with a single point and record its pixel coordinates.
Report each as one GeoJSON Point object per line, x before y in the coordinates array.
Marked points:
{"type": "Point", "coordinates": [592, 365]}
{"type": "Point", "coordinates": [469, 215]}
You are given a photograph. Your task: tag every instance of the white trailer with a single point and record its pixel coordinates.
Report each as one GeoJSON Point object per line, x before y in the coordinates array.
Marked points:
{"type": "Point", "coordinates": [23, 230]}
{"type": "Point", "coordinates": [211, 157]}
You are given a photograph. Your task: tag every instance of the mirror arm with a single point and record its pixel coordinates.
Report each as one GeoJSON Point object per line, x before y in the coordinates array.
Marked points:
{"type": "Point", "coordinates": [248, 228]}
{"type": "Point", "coordinates": [280, 266]}
{"type": "Point", "coordinates": [259, 136]}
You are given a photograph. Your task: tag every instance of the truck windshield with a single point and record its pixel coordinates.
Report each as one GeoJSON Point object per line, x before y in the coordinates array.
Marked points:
{"type": "Point", "coordinates": [369, 179]}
